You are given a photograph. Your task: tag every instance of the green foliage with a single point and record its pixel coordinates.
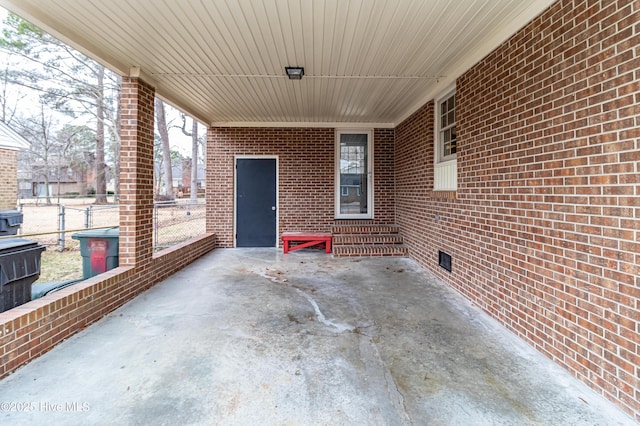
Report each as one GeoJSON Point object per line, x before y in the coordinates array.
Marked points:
{"type": "Point", "coordinates": [77, 137]}
{"type": "Point", "coordinates": [66, 79]}
{"type": "Point", "coordinates": [17, 33]}
{"type": "Point", "coordinates": [166, 200]}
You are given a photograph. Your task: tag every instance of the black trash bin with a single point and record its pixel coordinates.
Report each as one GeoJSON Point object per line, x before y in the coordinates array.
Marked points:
{"type": "Point", "coordinates": [10, 221]}
{"type": "Point", "coordinates": [19, 268]}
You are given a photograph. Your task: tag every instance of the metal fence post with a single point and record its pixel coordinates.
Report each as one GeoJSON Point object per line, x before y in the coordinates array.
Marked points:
{"type": "Point", "coordinates": [61, 226]}
{"type": "Point", "coordinates": [87, 220]}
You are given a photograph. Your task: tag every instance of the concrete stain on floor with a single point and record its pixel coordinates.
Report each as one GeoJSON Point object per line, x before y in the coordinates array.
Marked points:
{"type": "Point", "coordinates": [252, 336]}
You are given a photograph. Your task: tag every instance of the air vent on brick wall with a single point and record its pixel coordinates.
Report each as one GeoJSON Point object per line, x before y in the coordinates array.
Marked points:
{"type": "Point", "coordinates": [444, 260]}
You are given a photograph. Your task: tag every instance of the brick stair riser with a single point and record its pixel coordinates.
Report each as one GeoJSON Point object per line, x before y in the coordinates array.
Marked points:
{"type": "Point", "coordinates": [365, 230]}
{"type": "Point", "coordinates": [340, 253]}
{"type": "Point", "coordinates": [353, 239]}
{"type": "Point", "coordinates": [352, 222]}
{"type": "Point", "coordinates": [365, 240]}
{"type": "Point", "coordinates": [394, 250]}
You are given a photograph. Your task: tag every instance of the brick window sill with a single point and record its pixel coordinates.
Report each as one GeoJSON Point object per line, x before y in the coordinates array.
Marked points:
{"type": "Point", "coordinates": [443, 195]}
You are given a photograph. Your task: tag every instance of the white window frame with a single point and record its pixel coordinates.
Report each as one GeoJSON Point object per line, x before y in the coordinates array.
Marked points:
{"type": "Point", "coordinates": [370, 179]}
{"type": "Point", "coordinates": [445, 168]}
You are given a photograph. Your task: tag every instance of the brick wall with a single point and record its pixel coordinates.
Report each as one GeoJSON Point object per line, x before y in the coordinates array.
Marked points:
{"type": "Point", "coordinates": [8, 179]}
{"type": "Point", "coordinates": [306, 176]}
{"type": "Point", "coordinates": [384, 186]}
{"type": "Point", "coordinates": [544, 227]}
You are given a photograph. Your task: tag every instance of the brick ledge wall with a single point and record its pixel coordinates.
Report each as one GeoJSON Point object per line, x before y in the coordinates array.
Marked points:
{"type": "Point", "coordinates": [32, 329]}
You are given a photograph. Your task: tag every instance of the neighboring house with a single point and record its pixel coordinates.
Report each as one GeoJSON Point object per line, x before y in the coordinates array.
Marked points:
{"type": "Point", "coordinates": [353, 192]}
{"type": "Point", "coordinates": [503, 134]}
{"type": "Point", "coordinates": [63, 180]}
{"type": "Point", "coordinates": [10, 144]}
{"type": "Point", "coordinates": [61, 183]}
{"type": "Point", "coordinates": [182, 178]}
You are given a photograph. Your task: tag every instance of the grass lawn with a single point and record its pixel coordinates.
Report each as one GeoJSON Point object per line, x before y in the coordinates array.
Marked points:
{"type": "Point", "coordinates": [40, 222]}
{"type": "Point", "coordinates": [60, 266]}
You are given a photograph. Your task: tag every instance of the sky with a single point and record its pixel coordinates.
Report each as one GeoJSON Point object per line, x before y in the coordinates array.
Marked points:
{"type": "Point", "coordinates": [178, 140]}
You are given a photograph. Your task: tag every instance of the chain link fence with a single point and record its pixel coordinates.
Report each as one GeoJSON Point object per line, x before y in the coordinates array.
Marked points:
{"type": "Point", "coordinates": [99, 216]}
{"type": "Point", "coordinates": [175, 222]}
{"type": "Point", "coordinates": [52, 225]}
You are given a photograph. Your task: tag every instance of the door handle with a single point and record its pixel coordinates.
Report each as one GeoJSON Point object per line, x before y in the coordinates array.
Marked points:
{"type": "Point", "coordinates": [273, 208]}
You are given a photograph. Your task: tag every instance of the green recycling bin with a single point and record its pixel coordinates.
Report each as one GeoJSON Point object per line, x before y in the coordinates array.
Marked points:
{"type": "Point", "coordinates": [99, 250]}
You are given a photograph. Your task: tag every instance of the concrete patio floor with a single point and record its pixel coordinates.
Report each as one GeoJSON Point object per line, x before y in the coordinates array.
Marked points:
{"type": "Point", "coordinates": [252, 336]}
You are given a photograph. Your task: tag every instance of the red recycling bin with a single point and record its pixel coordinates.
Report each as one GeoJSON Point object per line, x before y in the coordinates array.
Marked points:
{"type": "Point", "coordinates": [98, 254]}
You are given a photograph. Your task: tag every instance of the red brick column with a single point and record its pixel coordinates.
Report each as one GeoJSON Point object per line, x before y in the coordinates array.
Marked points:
{"type": "Point", "coordinates": [219, 175]}
{"type": "Point", "coordinates": [136, 172]}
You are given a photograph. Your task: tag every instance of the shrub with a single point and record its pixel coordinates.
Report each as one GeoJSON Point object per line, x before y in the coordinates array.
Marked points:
{"type": "Point", "coordinates": [164, 200]}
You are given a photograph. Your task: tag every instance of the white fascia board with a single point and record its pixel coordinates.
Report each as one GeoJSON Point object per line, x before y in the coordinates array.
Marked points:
{"type": "Point", "coordinates": [314, 124]}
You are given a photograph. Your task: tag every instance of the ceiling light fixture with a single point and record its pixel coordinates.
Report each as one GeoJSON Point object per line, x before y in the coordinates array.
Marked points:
{"type": "Point", "coordinates": [294, 73]}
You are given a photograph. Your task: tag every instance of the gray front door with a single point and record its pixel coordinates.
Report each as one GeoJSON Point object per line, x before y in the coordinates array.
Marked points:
{"type": "Point", "coordinates": [256, 202]}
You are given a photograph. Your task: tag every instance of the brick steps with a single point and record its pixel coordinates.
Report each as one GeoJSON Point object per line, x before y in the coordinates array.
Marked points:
{"type": "Point", "coordinates": [370, 239]}
{"type": "Point", "coordinates": [361, 239]}
{"type": "Point", "coordinates": [365, 229]}
{"type": "Point", "coordinates": [373, 250]}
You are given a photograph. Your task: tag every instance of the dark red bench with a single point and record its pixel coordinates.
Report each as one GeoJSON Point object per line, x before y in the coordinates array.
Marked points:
{"type": "Point", "coordinates": [307, 239]}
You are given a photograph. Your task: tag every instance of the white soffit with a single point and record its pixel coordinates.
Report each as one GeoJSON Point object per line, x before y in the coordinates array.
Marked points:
{"type": "Point", "coordinates": [10, 139]}
{"type": "Point", "coordinates": [366, 62]}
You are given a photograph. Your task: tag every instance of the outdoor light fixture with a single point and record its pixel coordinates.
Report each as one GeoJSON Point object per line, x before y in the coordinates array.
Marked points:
{"type": "Point", "coordinates": [294, 73]}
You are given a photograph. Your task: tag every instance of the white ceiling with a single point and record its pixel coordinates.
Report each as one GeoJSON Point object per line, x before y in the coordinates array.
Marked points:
{"type": "Point", "coordinates": [366, 62]}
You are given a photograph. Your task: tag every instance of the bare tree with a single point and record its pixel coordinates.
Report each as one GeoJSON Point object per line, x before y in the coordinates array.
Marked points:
{"type": "Point", "coordinates": [115, 134]}
{"type": "Point", "coordinates": [69, 82]}
{"type": "Point", "coordinates": [193, 190]}
{"type": "Point", "coordinates": [8, 106]}
{"type": "Point", "coordinates": [163, 131]}
{"type": "Point", "coordinates": [43, 146]}
{"type": "Point", "coordinates": [101, 182]}
{"type": "Point", "coordinates": [77, 156]}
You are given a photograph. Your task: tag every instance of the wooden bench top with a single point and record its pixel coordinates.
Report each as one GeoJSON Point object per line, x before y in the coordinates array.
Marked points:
{"type": "Point", "coordinates": [306, 234]}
